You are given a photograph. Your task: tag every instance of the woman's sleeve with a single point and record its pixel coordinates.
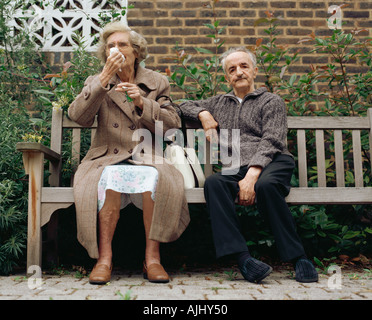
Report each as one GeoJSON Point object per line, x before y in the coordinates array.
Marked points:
{"type": "Point", "coordinates": [160, 110]}
{"type": "Point", "coordinates": [86, 105]}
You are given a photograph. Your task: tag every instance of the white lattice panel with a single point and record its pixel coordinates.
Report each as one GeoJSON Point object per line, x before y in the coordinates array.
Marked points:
{"type": "Point", "coordinates": [54, 29]}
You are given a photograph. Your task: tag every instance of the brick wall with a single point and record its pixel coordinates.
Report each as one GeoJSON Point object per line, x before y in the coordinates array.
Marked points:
{"type": "Point", "coordinates": [166, 22]}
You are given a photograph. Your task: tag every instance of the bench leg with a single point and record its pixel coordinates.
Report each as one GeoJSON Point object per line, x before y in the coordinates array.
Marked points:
{"type": "Point", "coordinates": [34, 165]}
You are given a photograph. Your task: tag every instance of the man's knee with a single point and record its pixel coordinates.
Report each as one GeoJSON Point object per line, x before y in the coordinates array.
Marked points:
{"type": "Point", "coordinates": [267, 187]}
{"type": "Point", "coordinates": [264, 186]}
{"type": "Point", "coordinates": [212, 181]}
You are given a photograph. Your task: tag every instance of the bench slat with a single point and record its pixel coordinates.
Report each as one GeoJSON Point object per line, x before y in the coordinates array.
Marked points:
{"type": "Point", "coordinates": [357, 156]}
{"type": "Point", "coordinates": [68, 123]}
{"type": "Point", "coordinates": [339, 159]}
{"type": "Point", "coordinates": [316, 195]}
{"type": "Point", "coordinates": [75, 152]}
{"type": "Point", "coordinates": [314, 122]}
{"type": "Point", "coordinates": [320, 158]}
{"type": "Point", "coordinates": [302, 163]}
{"type": "Point", "coordinates": [348, 195]}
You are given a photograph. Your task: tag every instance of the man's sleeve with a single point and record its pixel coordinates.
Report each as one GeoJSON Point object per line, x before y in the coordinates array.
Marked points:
{"type": "Point", "coordinates": [191, 109]}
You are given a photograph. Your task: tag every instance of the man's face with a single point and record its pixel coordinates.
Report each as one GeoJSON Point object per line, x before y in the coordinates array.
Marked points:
{"type": "Point", "coordinates": [240, 72]}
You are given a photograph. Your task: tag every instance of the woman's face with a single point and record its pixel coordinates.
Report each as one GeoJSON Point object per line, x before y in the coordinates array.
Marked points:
{"type": "Point", "coordinates": [121, 41]}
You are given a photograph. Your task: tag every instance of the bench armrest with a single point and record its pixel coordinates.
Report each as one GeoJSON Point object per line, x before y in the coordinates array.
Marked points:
{"type": "Point", "coordinates": [37, 147]}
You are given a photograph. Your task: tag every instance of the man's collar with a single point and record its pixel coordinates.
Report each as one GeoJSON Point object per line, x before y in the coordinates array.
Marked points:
{"type": "Point", "coordinates": [256, 92]}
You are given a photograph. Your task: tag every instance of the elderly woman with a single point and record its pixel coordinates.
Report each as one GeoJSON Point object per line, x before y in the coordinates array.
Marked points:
{"type": "Point", "coordinates": [126, 97]}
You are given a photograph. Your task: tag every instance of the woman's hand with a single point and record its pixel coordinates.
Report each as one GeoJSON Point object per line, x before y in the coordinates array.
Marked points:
{"type": "Point", "coordinates": [132, 91]}
{"type": "Point", "coordinates": [113, 63]}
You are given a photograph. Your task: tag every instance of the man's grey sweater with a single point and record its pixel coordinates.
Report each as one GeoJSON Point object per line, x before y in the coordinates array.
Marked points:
{"type": "Point", "coordinates": [261, 118]}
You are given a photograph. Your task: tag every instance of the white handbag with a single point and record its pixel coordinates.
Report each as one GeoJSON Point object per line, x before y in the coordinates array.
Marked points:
{"type": "Point", "coordinates": [186, 161]}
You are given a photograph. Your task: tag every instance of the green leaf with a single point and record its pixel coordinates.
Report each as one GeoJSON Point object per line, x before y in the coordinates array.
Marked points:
{"type": "Point", "coordinates": [210, 26]}
{"type": "Point", "coordinates": [260, 21]}
{"type": "Point", "coordinates": [351, 234]}
{"type": "Point", "coordinates": [45, 100]}
{"type": "Point", "coordinates": [202, 50]}
{"type": "Point", "coordinates": [292, 79]}
{"type": "Point", "coordinates": [43, 91]}
{"type": "Point", "coordinates": [318, 262]}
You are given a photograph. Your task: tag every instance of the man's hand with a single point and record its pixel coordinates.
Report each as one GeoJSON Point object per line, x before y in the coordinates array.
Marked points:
{"type": "Point", "coordinates": [247, 194]}
{"type": "Point", "coordinates": [210, 125]}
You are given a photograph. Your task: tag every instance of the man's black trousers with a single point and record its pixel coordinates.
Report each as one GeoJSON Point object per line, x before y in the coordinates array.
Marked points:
{"type": "Point", "coordinates": [271, 188]}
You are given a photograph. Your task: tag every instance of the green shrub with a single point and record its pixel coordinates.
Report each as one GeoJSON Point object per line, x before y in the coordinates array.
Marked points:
{"type": "Point", "coordinates": [20, 68]}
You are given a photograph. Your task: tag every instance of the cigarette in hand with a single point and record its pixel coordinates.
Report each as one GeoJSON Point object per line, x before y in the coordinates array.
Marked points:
{"type": "Point", "coordinates": [126, 94]}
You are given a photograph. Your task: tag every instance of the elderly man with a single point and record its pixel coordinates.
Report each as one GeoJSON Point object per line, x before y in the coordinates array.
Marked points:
{"type": "Point", "coordinates": [264, 171]}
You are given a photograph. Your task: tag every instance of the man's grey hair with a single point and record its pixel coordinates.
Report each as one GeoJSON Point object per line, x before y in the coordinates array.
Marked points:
{"type": "Point", "coordinates": [238, 49]}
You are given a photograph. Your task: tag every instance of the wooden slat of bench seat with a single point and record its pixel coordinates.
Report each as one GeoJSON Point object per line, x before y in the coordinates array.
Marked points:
{"type": "Point", "coordinates": [65, 195]}
{"type": "Point", "coordinates": [318, 195]}
{"type": "Point", "coordinates": [312, 123]}
{"type": "Point", "coordinates": [309, 196]}
{"type": "Point", "coordinates": [330, 195]}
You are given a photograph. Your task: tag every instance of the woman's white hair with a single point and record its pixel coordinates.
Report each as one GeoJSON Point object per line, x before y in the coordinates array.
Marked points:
{"type": "Point", "coordinates": [137, 41]}
{"type": "Point", "coordinates": [238, 49]}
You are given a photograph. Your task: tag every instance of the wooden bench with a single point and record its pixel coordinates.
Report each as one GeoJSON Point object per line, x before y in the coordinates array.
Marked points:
{"type": "Point", "coordinates": [324, 131]}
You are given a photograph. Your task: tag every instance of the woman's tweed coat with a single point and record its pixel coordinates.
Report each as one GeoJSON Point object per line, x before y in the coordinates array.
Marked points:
{"type": "Point", "coordinates": [118, 119]}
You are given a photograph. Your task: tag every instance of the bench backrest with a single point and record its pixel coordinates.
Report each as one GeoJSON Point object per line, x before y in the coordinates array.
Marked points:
{"type": "Point", "coordinates": [319, 144]}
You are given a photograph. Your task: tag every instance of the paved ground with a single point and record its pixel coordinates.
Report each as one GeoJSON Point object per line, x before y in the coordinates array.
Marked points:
{"type": "Point", "coordinates": [197, 284]}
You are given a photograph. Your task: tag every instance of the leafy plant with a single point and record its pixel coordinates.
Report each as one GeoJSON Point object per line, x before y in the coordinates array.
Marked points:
{"type": "Point", "coordinates": [272, 59]}
{"type": "Point", "coordinates": [231, 275]}
{"type": "Point", "coordinates": [65, 86]}
{"type": "Point", "coordinates": [127, 295]}
{"type": "Point", "coordinates": [204, 80]}
{"type": "Point", "coordinates": [345, 93]}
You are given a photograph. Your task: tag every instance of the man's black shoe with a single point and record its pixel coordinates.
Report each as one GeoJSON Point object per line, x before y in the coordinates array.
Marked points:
{"type": "Point", "coordinates": [254, 270]}
{"type": "Point", "coordinates": [305, 271]}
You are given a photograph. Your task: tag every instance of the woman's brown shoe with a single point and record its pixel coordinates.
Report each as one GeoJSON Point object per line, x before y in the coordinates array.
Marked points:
{"type": "Point", "coordinates": [155, 273]}
{"type": "Point", "coordinates": [101, 274]}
